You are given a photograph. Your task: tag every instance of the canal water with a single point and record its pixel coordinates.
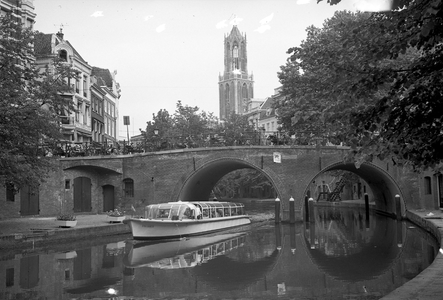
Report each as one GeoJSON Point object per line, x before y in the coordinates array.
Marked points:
{"type": "Point", "coordinates": [339, 255]}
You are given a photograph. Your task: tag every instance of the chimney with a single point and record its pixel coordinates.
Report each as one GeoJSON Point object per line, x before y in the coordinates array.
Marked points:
{"type": "Point", "coordinates": [60, 34]}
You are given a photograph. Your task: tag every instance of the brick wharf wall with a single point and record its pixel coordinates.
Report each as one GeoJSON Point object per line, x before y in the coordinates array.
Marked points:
{"type": "Point", "coordinates": [190, 174]}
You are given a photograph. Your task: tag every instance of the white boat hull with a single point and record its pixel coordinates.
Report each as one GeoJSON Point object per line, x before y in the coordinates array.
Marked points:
{"type": "Point", "coordinates": [147, 229]}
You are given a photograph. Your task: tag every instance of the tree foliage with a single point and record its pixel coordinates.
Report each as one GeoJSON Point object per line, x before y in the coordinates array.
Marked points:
{"type": "Point", "coordinates": [30, 101]}
{"type": "Point", "coordinates": [189, 127]}
{"type": "Point", "coordinates": [244, 183]}
{"type": "Point", "coordinates": [372, 80]}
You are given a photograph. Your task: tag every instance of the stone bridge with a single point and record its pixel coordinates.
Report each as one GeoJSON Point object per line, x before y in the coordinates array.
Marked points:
{"type": "Point", "coordinates": [191, 174]}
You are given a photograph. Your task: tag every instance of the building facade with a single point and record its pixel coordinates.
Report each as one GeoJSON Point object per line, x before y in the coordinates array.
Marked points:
{"type": "Point", "coordinates": [23, 10]}
{"type": "Point", "coordinates": [76, 125]}
{"type": "Point", "coordinates": [236, 85]}
{"type": "Point", "coordinates": [97, 106]}
{"type": "Point", "coordinates": [111, 90]}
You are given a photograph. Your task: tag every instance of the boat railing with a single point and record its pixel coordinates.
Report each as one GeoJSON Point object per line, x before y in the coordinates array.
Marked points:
{"type": "Point", "coordinates": [193, 210]}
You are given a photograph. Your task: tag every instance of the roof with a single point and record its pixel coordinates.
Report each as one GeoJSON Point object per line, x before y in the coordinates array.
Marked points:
{"type": "Point", "coordinates": [76, 53]}
{"type": "Point", "coordinates": [235, 33]}
{"type": "Point", "coordinates": [42, 44]}
{"type": "Point", "coordinates": [104, 75]}
{"type": "Point", "coordinates": [267, 110]}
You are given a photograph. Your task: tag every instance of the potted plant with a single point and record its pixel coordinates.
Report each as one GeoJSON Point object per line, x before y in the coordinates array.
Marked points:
{"type": "Point", "coordinates": [66, 220]}
{"type": "Point", "coordinates": [116, 215]}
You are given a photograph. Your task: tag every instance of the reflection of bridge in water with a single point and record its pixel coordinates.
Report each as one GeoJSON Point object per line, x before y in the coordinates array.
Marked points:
{"type": "Point", "coordinates": [296, 258]}
{"type": "Point", "coordinates": [337, 253]}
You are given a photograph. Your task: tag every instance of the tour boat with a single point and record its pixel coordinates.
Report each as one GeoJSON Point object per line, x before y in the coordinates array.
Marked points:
{"type": "Point", "coordinates": [180, 253]}
{"type": "Point", "coordinates": [181, 219]}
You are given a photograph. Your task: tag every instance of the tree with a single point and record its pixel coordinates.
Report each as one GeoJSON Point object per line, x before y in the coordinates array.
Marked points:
{"type": "Point", "coordinates": [372, 80]}
{"type": "Point", "coordinates": [29, 103]}
{"type": "Point", "coordinates": [187, 127]}
{"type": "Point", "coordinates": [236, 130]}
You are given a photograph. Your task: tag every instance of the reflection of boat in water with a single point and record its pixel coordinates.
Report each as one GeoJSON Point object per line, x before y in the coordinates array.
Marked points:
{"type": "Point", "coordinates": [181, 219]}
{"type": "Point", "coordinates": [183, 253]}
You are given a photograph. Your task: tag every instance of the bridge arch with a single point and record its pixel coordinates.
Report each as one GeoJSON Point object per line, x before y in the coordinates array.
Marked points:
{"type": "Point", "coordinates": [383, 186]}
{"type": "Point", "coordinates": [199, 183]}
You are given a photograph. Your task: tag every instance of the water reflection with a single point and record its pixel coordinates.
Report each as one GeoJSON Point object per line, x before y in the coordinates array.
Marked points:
{"type": "Point", "coordinates": [182, 253]}
{"type": "Point", "coordinates": [345, 247]}
{"type": "Point", "coordinates": [337, 255]}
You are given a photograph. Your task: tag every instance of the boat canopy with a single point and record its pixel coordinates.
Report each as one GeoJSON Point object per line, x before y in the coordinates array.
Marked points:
{"type": "Point", "coordinates": [193, 210]}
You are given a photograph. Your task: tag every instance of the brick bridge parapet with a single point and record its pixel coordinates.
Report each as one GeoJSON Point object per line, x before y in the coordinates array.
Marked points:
{"type": "Point", "coordinates": [191, 174]}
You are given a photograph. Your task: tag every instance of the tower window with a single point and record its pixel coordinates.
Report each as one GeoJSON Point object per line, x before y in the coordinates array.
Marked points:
{"type": "Point", "coordinates": [235, 55]}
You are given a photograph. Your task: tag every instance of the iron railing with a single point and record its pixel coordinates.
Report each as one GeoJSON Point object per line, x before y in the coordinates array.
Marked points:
{"type": "Point", "coordinates": [76, 149]}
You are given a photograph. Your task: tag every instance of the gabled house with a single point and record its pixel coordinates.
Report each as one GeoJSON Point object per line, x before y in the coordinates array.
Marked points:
{"type": "Point", "coordinates": [76, 124]}
{"type": "Point", "coordinates": [106, 81]}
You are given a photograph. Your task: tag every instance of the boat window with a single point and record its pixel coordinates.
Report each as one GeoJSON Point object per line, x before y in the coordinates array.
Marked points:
{"type": "Point", "coordinates": [175, 212]}
{"type": "Point", "coordinates": [205, 213]}
{"type": "Point", "coordinates": [186, 212]}
{"type": "Point", "coordinates": [213, 212]}
{"type": "Point", "coordinates": [226, 212]}
{"type": "Point", "coordinates": [219, 212]}
{"type": "Point", "coordinates": [151, 212]}
{"type": "Point", "coordinates": [233, 211]}
{"type": "Point", "coordinates": [163, 213]}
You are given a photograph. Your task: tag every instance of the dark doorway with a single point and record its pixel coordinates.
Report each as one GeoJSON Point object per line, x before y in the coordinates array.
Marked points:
{"type": "Point", "coordinates": [108, 197]}
{"type": "Point", "coordinates": [82, 194]}
{"type": "Point", "coordinates": [29, 201]}
{"type": "Point", "coordinates": [82, 264]}
{"type": "Point", "coordinates": [29, 271]}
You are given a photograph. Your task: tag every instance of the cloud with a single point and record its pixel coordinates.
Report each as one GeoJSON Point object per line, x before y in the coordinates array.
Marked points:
{"type": "Point", "coordinates": [97, 14]}
{"type": "Point", "coordinates": [160, 28]}
{"type": "Point", "coordinates": [373, 5]}
{"type": "Point", "coordinates": [265, 24]}
{"type": "Point", "coordinates": [148, 17]}
{"type": "Point", "coordinates": [301, 2]}
{"type": "Point", "coordinates": [267, 19]}
{"type": "Point", "coordinates": [221, 24]}
{"type": "Point", "coordinates": [263, 28]}
{"type": "Point", "coordinates": [235, 21]}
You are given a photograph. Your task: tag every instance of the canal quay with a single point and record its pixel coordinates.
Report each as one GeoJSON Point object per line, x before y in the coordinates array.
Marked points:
{"type": "Point", "coordinates": [39, 237]}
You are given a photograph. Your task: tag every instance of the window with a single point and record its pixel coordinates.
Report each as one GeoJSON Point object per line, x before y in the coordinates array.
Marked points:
{"type": "Point", "coordinates": [9, 277]}
{"type": "Point", "coordinates": [77, 86]}
{"type": "Point", "coordinates": [79, 110]}
{"type": "Point", "coordinates": [128, 187]}
{"type": "Point", "coordinates": [85, 87]}
{"type": "Point", "coordinates": [67, 274]}
{"type": "Point", "coordinates": [67, 184]}
{"type": "Point", "coordinates": [62, 54]}
{"type": "Point", "coordinates": [10, 192]}
{"type": "Point", "coordinates": [428, 187]}
{"type": "Point", "coordinates": [87, 115]}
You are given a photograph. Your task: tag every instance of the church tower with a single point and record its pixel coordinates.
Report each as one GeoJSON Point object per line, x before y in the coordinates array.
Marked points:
{"type": "Point", "coordinates": [236, 86]}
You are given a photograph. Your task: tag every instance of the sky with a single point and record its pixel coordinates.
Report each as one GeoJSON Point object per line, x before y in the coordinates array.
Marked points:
{"type": "Point", "coordinates": [170, 50]}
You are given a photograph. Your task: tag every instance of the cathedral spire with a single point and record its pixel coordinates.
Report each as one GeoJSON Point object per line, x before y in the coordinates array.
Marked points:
{"type": "Point", "coordinates": [236, 85]}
